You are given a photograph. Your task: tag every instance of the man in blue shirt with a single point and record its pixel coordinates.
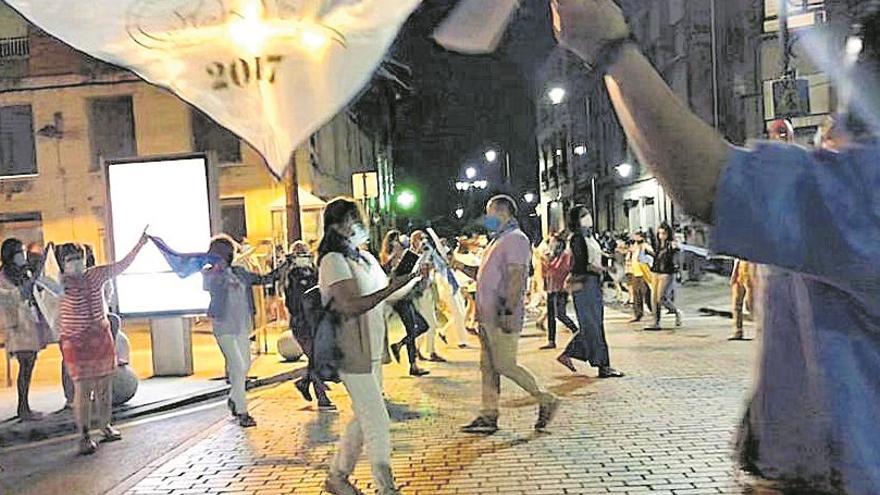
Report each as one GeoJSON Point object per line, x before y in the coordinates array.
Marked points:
{"type": "Point", "coordinates": [812, 424]}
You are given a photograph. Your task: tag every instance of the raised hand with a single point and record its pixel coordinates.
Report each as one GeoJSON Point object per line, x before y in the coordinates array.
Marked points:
{"type": "Point", "coordinates": [585, 26]}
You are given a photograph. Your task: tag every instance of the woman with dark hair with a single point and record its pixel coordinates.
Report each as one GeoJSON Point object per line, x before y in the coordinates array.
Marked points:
{"type": "Point", "coordinates": [413, 321]}
{"type": "Point", "coordinates": [664, 269]}
{"type": "Point", "coordinates": [87, 345]}
{"type": "Point", "coordinates": [20, 320]}
{"type": "Point", "coordinates": [356, 287]}
{"type": "Point", "coordinates": [585, 284]}
{"type": "Point", "coordinates": [556, 268]}
{"type": "Point", "coordinates": [231, 311]}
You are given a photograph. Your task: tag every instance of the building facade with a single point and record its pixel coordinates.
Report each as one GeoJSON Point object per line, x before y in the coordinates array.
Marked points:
{"type": "Point", "coordinates": [706, 51]}
{"type": "Point", "coordinates": [63, 113]}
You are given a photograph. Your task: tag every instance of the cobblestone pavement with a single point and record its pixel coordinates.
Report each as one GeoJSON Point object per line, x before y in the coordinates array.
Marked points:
{"type": "Point", "coordinates": [665, 428]}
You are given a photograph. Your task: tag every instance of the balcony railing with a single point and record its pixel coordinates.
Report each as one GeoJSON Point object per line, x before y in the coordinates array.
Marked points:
{"type": "Point", "coordinates": [14, 48]}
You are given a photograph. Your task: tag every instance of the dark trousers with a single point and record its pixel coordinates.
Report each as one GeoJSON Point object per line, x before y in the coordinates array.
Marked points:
{"type": "Point", "coordinates": [556, 309]}
{"type": "Point", "coordinates": [641, 297]}
{"type": "Point", "coordinates": [414, 323]}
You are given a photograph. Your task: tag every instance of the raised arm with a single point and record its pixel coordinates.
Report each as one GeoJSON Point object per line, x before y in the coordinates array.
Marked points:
{"type": "Point", "coordinates": [685, 153]}
{"type": "Point", "coordinates": [120, 266]}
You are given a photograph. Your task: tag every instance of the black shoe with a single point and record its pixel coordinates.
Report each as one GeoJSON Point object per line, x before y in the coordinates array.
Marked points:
{"type": "Point", "coordinates": [395, 351]}
{"type": "Point", "coordinates": [653, 328]}
{"type": "Point", "coordinates": [609, 372]}
{"type": "Point", "coordinates": [246, 421]}
{"type": "Point", "coordinates": [416, 371]}
{"type": "Point", "coordinates": [564, 360]}
{"type": "Point", "coordinates": [303, 387]}
{"type": "Point", "coordinates": [436, 358]}
{"type": "Point", "coordinates": [231, 406]}
{"type": "Point", "coordinates": [550, 345]}
{"type": "Point", "coordinates": [481, 425]}
{"type": "Point", "coordinates": [420, 356]}
{"type": "Point", "coordinates": [635, 320]}
{"type": "Point", "coordinates": [473, 331]}
{"type": "Point", "coordinates": [326, 405]}
{"type": "Point", "coordinates": [546, 413]}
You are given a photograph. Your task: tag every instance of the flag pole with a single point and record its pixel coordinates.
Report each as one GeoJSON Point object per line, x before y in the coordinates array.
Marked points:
{"type": "Point", "coordinates": [294, 224]}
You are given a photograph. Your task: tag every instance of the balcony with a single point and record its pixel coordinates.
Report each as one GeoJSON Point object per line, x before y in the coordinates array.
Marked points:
{"type": "Point", "coordinates": [14, 48]}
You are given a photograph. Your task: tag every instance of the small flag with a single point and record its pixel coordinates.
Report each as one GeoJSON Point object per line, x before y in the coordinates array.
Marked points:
{"type": "Point", "coordinates": [184, 264]}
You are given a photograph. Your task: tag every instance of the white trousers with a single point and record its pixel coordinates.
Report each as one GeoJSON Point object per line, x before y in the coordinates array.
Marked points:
{"type": "Point", "coordinates": [455, 314]}
{"type": "Point", "coordinates": [236, 350]}
{"type": "Point", "coordinates": [427, 307]}
{"type": "Point", "coordinates": [370, 424]}
{"type": "Point", "coordinates": [92, 403]}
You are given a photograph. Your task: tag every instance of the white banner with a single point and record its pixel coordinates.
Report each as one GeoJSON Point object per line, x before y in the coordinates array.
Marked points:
{"type": "Point", "coordinates": [271, 71]}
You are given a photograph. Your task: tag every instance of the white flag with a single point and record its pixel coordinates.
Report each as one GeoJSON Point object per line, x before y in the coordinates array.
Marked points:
{"type": "Point", "coordinates": [272, 71]}
{"type": "Point", "coordinates": [476, 26]}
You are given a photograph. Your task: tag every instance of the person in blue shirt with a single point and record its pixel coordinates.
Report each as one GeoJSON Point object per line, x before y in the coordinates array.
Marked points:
{"type": "Point", "coordinates": [811, 425]}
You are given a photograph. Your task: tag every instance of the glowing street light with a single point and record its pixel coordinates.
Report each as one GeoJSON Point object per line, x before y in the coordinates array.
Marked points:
{"type": "Point", "coordinates": [406, 199]}
{"type": "Point", "coordinates": [624, 170]}
{"type": "Point", "coordinates": [557, 95]}
{"type": "Point", "coordinates": [491, 156]}
{"type": "Point", "coordinates": [463, 185]}
{"type": "Point", "coordinates": [529, 197]}
{"type": "Point", "coordinates": [580, 150]}
{"type": "Point", "coordinates": [459, 212]}
{"type": "Point", "coordinates": [481, 184]}
{"type": "Point", "coordinates": [470, 173]}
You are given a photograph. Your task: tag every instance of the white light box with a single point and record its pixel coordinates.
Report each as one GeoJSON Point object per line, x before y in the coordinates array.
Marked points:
{"type": "Point", "coordinates": [171, 195]}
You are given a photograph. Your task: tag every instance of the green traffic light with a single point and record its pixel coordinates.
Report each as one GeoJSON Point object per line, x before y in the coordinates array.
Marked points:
{"type": "Point", "coordinates": [406, 200]}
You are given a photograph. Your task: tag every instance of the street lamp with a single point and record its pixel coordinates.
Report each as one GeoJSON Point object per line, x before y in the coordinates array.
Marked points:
{"type": "Point", "coordinates": [557, 95]}
{"type": "Point", "coordinates": [491, 156]}
{"type": "Point", "coordinates": [624, 170]}
{"type": "Point", "coordinates": [406, 200]}
{"type": "Point", "coordinates": [529, 197]}
{"type": "Point", "coordinates": [463, 185]}
{"type": "Point", "coordinates": [470, 173]}
{"type": "Point", "coordinates": [459, 212]}
{"type": "Point", "coordinates": [580, 150]}
{"type": "Point", "coordinates": [481, 184]}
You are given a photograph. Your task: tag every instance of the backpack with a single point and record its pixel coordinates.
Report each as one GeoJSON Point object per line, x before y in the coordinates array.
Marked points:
{"type": "Point", "coordinates": [322, 324]}
{"type": "Point", "coordinates": [298, 281]}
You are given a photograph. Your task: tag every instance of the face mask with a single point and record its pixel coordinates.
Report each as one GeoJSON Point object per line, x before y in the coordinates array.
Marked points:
{"type": "Point", "coordinates": [19, 260]}
{"type": "Point", "coordinates": [492, 222]}
{"type": "Point", "coordinates": [302, 261]}
{"type": "Point", "coordinates": [77, 267]}
{"type": "Point", "coordinates": [587, 221]}
{"type": "Point", "coordinates": [359, 235]}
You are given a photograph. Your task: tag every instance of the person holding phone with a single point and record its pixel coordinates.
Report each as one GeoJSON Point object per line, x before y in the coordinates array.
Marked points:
{"type": "Point", "coordinates": [399, 261]}
{"type": "Point", "coordinates": [356, 287]}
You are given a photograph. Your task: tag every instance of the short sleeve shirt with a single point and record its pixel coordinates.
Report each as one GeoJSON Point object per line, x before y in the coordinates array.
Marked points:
{"type": "Point", "coordinates": [510, 248]}
{"type": "Point", "coordinates": [370, 278]}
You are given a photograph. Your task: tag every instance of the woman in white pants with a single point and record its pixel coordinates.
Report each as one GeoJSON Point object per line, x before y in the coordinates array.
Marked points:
{"type": "Point", "coordinates": [352, 281]}
{"type": "Point", "coordinates": [231, 311]}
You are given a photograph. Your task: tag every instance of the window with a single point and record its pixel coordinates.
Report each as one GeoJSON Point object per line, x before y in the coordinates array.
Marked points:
{"type": "Point", "coordinates": [17, 152]}
{"type": "Point", "coordinates": [233, 218]}
{"type": "Point", "coordinates": [112, 129]}
{"type": "Point", "coordinates": [801, 13]}
{"type": "Point", "coordinates": [208, 136]}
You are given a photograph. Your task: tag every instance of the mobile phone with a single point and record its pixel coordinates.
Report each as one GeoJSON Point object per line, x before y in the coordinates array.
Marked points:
{"type": "Point", "coordinates": [406, 265]}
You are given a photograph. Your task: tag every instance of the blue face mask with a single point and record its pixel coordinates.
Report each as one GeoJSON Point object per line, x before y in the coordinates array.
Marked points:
{"type": "Point", "coordinates": [492, 223]}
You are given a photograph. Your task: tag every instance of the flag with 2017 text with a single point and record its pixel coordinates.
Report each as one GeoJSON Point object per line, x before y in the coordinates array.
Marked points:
{"type": "Point", "coordinates": [271, 71]}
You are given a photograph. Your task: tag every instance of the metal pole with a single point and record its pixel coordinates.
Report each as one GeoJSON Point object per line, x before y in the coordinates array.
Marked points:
{"type": "Point", "coordinates": [507, 168]}
{"type": "Point", "coordinates": [294, 223]}
{"type": "Point", "coordinates": [784, 41]}
{"type": "Point", "coordinates": [715, 118]}
{"type": "Point", "coordinates": [595, 203]}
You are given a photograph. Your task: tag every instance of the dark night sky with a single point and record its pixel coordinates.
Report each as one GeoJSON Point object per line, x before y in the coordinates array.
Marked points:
{"type": "Point", "coordinates": [462, 105]}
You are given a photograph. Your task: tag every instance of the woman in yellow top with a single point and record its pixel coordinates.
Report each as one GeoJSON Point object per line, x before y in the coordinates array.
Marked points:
{"type": "Point", "coordinates": [741, 292]}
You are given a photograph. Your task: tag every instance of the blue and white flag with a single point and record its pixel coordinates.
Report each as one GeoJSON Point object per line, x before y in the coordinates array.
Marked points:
{"type": "Point", "coordinates": [185, 264]}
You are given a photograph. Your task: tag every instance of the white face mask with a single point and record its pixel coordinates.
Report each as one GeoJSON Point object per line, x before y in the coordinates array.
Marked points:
{"type": "Point", "coordinates": [587, 221]}
{"type": "Point", "coordinates": [302, 260]}
{"type": "Point", "coordinates": [77, 267]}
{"type": "Point", "coordinates": [359, 235]}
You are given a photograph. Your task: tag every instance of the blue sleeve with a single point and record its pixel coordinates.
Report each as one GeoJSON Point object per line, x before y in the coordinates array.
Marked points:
{"type": "Point", "coordinates": [813, 212]}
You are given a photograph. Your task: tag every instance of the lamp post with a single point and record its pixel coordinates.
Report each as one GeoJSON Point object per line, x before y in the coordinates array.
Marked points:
{"type": "Point", "coordinates": [492, 155]}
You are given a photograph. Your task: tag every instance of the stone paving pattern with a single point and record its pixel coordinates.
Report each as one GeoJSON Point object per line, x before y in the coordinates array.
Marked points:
{"type": "Point", "coordinates": [664, 429]}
